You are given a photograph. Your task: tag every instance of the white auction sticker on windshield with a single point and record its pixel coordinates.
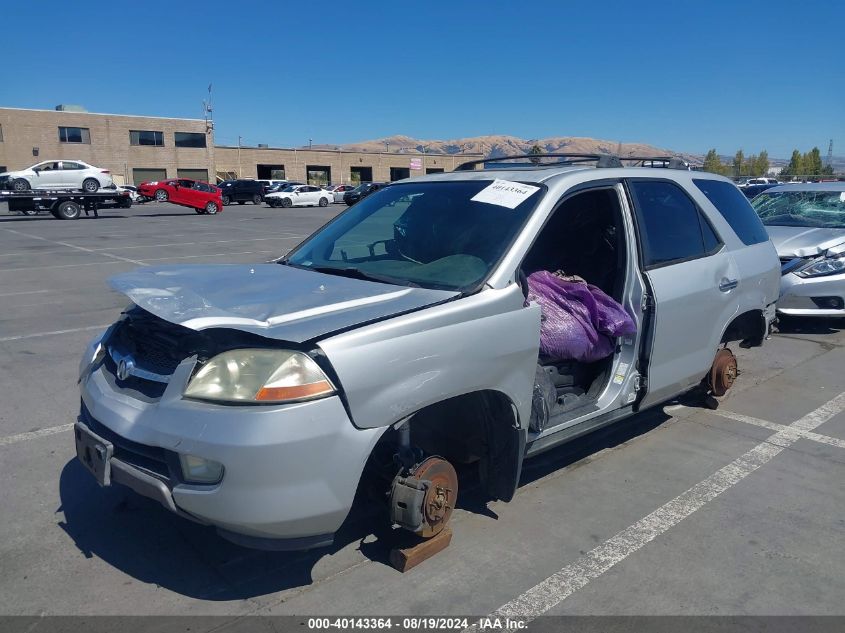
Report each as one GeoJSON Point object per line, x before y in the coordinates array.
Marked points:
{"type": "Point", "coordinates": [505, 193]}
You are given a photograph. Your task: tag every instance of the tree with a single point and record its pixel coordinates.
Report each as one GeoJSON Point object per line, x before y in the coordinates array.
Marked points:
{"type": "Point", "coordinates": [795, 166]}
{"type": "Point", "coordinates": [761, 164]}
{"type": "Point", "coordinates": [535, 152]}
{"type": "Point", "coordinates": [739, 157]}
{"type": "Point", "coordinates": [813, 162]}
{"type": "Point", "coordinates": [713, 163]}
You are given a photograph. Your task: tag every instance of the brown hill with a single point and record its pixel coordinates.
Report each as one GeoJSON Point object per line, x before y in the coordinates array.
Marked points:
{"type": "Point", "coordinates": [502, 145]}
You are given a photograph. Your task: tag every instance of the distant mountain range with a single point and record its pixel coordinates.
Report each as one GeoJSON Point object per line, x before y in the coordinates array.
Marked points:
{"type": "Point", "coordinates": [504, 145]}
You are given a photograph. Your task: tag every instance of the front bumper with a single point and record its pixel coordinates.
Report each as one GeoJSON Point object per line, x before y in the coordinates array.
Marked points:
{"type": "Point", "coordinates": [291, 471]}
{"type": "Point", "coordinates": [797, 295]}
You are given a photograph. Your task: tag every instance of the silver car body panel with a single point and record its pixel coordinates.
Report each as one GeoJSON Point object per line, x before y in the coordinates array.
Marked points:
{"type": "Point", "coordinates": [276, 458]}
{"type": "Point", "coordinates": [486, 341]}
{"type": "Point", "coordinates": [804, 241]}
{"type": "Point", "coordinates": [271, 300]}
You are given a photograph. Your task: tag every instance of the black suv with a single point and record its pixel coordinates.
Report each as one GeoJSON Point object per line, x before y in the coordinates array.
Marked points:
{"type": "Point", "coordinates": [241, 191]}
{"type": "Point", "coordinates": [362, 191]}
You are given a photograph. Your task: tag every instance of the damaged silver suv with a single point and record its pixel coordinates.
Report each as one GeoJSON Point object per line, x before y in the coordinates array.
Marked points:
{"type": "Point", "coordinates": [404, 338]}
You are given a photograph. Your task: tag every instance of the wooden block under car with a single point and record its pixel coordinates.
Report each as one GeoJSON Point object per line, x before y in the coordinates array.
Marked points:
{"type": "Point", "coordinates": [409, 557]}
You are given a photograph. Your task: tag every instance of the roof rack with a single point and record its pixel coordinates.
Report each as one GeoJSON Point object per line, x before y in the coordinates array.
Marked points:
{"type": "Point", "coordinates": [601, 160]}
{"type": "Point", "coordinates": [667, 162]}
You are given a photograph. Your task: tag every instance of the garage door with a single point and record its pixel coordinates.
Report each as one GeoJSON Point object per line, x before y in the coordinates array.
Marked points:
{"type": "Point", "coordinates": [193, 174]}
{"type": "Point", "coordinates": [145, 174]}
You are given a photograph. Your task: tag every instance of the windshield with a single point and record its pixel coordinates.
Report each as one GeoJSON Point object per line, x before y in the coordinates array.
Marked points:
{"type": "Point", "coordinates": [362, 188]}
{"type": "Point", "coordinates": [289, 189]}
{"type": "Point", "coordinates": [824, 209]}
{"type": "Point", "coordinates": [428, 234]}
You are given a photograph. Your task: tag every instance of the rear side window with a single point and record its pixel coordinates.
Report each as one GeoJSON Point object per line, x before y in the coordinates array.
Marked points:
{"type": "Point", "coordinates": [671, 227]}
{"type": "Point", "coordinates": [735, 208]}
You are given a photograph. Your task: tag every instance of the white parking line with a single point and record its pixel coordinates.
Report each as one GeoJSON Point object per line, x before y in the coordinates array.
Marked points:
{"type": "Point", "coordinates": [158, 259]}
{"type": "Point", "coordinates": [31, 435]}
{"type": "Point", "coordinates": [79, 248]}
{"type": "Point", "coordinates": [783, 428]}
{"type": "Point", "coordinates": [21, 337]}
{"type": "Point", "coordinates": [180, 244]}
{"type": "Point", "coordinates": [15, 270]}
{"type": "Point", "coordinates": [25, 292]}
{"type": "Point", "coordinates": [562, 584]}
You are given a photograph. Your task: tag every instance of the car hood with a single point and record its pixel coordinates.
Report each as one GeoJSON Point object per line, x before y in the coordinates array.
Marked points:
{"type": "Point", "coordinates": [270, 300]}
{"type": "Point", "coordinates": [804, 241]}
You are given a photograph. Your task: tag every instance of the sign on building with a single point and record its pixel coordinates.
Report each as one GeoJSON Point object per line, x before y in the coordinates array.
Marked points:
{"type": "Point", "coordinates": [416, 163]}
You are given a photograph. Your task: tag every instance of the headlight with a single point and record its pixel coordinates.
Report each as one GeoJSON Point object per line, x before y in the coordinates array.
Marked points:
{"type": "Point", "coordinates": [93, 355]}
{"type": "Point", "coordinates": [827, 266]}
{"type": "Point", "coordinates": [154, 182]}
{"type": "Point", "coordinates": [259, 375]}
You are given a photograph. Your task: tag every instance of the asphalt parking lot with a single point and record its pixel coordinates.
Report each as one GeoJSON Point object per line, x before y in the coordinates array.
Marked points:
{"type": "Point", "coordinates": [681, 510]}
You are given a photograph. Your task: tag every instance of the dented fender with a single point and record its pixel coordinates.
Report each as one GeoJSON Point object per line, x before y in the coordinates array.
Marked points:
{"type": "Point", "coordinates": [391, 369]}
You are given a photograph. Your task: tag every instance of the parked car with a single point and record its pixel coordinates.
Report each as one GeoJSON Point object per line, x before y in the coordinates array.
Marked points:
{"type": "Point", "coordinates": [282, 185]}
{"type": "Point", "coordinates": [59, 174]}
{"type": "Point", "coordinates": [760, 180]}
{"type": "Point", "coordinates": [338, 191]}
{"type": "Point", "coordinates": [402, 337]}
{"type": "Point", "coordinates": [807, 225]}
{"type": "Point", "coordinates": [361, 191]}
{"type": "Point", "coordinates": [131, 190]}
{"type": "Point", "coordinates": [753, 190]}
{"type": "Point", "coordinates": [200, 196]}
{"type": "Point", "coordinates": [242, 191]}
{"type": "Point", "coordinates": [299, 196]}
{"type": "Point", "coordinates": [269, 184]}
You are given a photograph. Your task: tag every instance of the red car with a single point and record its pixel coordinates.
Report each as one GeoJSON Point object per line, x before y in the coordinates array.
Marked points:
{"type": "Point", "coordinates": [199, 196]}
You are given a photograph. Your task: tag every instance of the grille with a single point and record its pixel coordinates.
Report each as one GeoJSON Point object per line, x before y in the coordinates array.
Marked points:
{"type": "Point", "coordinates": [152, 355]}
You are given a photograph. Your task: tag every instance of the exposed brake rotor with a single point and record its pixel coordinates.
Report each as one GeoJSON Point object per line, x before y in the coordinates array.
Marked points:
{"type": "Point", "coordinates": [441, 495]}
{"type": "Point", "coordinates": [723, 373]}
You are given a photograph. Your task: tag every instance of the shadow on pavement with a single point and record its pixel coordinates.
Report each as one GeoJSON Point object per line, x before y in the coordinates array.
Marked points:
{"type": "Point", "coordinates": [146, 542]}
{"type": "Point", "coordinates": [810, 325]}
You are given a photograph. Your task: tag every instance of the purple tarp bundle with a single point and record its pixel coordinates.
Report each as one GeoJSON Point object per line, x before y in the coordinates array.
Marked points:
{"type": "Point", "coordinates": [579, 320]}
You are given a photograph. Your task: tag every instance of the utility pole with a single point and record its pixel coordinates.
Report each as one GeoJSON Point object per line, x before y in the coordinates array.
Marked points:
{"type": "Point", "coordinates": [309, 143]}
{"type": "Point", "coordinates": [239, 157]}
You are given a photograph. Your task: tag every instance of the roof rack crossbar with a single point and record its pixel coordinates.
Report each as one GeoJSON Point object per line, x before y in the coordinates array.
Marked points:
{"type": "Point", "coordinates": [669, 162]}
{"type": "Point", "coordinates": [601, 160]}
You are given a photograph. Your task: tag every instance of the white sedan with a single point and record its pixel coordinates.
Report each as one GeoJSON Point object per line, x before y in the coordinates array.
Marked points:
{"type": "Point", "coordinates": [299, 196]}
{"type": "Point", "coordinates": [59, 174]}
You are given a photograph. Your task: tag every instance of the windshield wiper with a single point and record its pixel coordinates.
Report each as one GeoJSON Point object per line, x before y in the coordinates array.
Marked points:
{"type": "Point", "coordinates": [357, 273]}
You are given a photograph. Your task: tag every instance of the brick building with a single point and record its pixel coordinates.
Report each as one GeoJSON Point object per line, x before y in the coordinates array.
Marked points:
{"type": "Point", "coordinates": [138, 148]}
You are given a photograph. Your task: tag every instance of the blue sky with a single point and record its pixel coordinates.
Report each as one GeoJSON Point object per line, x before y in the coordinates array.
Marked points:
{"type": "Point", "coordinates": [682, 75]}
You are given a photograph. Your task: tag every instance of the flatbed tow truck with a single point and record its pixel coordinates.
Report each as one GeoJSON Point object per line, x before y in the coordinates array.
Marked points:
{"type": "Point", "coordinates": [64, 204]}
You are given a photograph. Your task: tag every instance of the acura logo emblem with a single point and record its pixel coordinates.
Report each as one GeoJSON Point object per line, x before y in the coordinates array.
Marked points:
{"type": "Point", "coordinates": [124, 368]}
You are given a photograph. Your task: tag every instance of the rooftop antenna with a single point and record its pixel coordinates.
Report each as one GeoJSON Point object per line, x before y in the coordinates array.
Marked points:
{"type": "Point", "coordinates": [207, 112]}
{"type": "Point", "coordinates": [829, 154]}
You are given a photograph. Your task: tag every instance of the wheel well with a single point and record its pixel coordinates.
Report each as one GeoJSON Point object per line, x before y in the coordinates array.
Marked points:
{"type": "Point", "coordinates": [474, 428]}
{"type": "Point", "coordinates": [749, 328]}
